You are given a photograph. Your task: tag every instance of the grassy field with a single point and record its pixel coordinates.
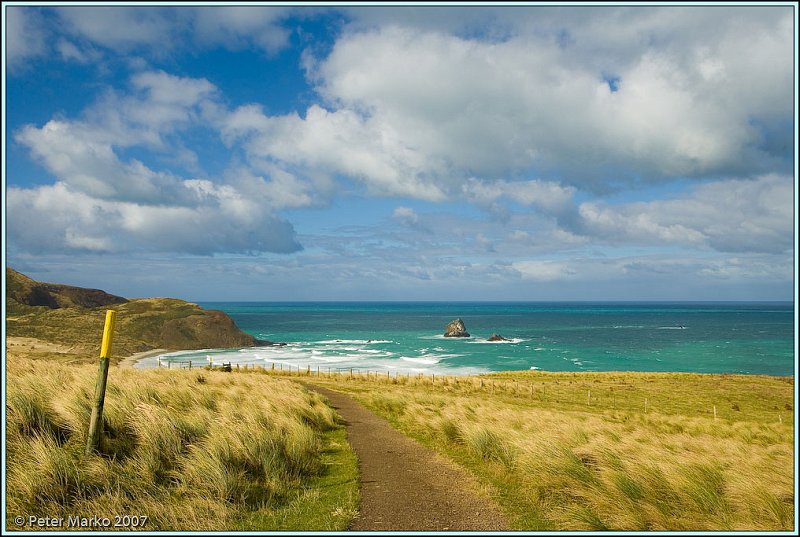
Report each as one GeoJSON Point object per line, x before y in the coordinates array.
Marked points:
{"type": "Point", "coordinates": [558, 451]}
{"type": "Point", "coordinates": [190, 450]}
{"type": "Point", "coordinates": [607, 451]}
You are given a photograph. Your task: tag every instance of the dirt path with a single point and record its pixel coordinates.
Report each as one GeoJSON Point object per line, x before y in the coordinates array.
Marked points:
{"type": "Point", "coordinates": [405, 486]}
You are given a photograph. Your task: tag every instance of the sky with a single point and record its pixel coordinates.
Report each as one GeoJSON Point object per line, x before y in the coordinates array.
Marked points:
{"type": "Point", "coordinates": [300, 152]}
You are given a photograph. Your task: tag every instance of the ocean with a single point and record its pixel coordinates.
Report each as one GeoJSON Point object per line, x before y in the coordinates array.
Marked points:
{"type": "Point", "coordinates": [743, 338]}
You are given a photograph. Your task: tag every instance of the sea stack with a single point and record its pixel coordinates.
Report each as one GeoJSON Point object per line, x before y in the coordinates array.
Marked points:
{"type": "Point", "coordinates": [456, 328]}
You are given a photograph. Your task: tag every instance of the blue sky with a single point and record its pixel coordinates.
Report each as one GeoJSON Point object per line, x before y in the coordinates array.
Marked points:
{"type": "Point", "coordinates": [403, 153]}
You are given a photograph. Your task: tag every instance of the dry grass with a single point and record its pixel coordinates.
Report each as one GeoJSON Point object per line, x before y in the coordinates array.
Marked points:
{"type": "Point", "coordinates": [192, 450]}
{"type": "Point", "coordinates": [558, 458]}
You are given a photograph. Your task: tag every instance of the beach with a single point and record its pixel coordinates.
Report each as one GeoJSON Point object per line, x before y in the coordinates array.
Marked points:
{"type": "Point", "coordinates": [131, 360]}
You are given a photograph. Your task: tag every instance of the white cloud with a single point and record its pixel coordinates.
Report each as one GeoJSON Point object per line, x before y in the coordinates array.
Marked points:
{"type": "Point", "coordinates": [406, 215]}
{"type": "Point", "coordinates": [69, 51]}
{"type": "Point", "coordinates": [544, 271]}
{"type": "Point", "coordinates": [491, 109]}
{"type": "Point", "coordinates": [83, 153]}
{"type": "Point", "coordinates": [25, 36]}
{"type": "Point", "coordinates": [238, 27]}
{"type": "Point", "coordinates": [55, 219]}
{"type": "Point", "coordinates": [163, 29]}
{"type": "Point", "coordinates": [120, 27]}
{"type": "Point", "coordinates": [730, 216]}
{"type": "Point", "coordinates": [168, 89]}
{"type": "Point", "coordinates": [658, 271]}
{"type": "Point", "coordinates": [549, 196]}
{"type": "Point", "coordinates": [335, 143]}
{"type": "Point", "coordinates": [104, 202]}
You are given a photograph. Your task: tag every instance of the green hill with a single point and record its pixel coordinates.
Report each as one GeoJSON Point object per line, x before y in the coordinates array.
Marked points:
{"type": "Point", "coordinates": [46, 320]}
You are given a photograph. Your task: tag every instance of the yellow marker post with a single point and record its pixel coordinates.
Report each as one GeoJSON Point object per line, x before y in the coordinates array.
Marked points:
{"type": "Point", "coordinates": [96, 421]}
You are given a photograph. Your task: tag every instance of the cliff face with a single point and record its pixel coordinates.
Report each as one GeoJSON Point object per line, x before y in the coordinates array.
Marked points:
{"type": "Point", "coordinates": [67, 322]}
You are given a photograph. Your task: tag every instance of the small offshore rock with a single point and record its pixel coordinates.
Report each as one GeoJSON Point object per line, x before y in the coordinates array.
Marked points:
{"type": "Point", "coordinates": [456, 328]}
{"type": "Point", "coordinates": [497, 337]}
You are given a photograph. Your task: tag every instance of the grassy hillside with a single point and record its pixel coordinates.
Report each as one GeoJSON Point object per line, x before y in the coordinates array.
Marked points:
{"type": "Point", "coordinates": [189, 450]}
{"type": "Point", "coordinates": [642, 451]}
{"type": "Point", "coordinates": [72, 331]}
{"type": "Point", "coordinates": [22, 291]}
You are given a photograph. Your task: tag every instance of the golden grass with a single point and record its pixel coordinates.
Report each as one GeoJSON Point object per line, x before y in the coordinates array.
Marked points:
{"type": "Point", "coordinates": [191, 450]}
{"type": "Point", "coordinates": [560, 458]}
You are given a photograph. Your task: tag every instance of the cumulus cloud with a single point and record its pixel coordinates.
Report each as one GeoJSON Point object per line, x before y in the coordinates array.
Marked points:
{"type": "Point", "coordinates": [413, 111]}
{"type": "Point", "coordinates": [533, 117]}
{"type": "Point", "coordinates": [83, 153]}
{"type": "Point", "coordinates": [55, 219]}
{"type": "Point", "coordinates": [103, 202]}
{"type": "Point", "coordinates": [497, 108]}
{"type": "Point", "coordinates": [335, 142]}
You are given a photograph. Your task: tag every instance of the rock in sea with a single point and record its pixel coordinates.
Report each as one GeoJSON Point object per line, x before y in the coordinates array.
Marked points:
{"type": "Point", "coordinates": [456, 328]}
{"type": "Point", "coordinates": [497, 337]}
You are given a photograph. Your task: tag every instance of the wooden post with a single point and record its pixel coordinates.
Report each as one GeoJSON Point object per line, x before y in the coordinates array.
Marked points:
{"type": "Point", "coordinates": [95, 435]}
{"type": "Point", "coordinates": [645, 405]}
{"type": "Point", "coordinates": [715, 411]}
{"type": "Point", "coordinates": [589, 398]}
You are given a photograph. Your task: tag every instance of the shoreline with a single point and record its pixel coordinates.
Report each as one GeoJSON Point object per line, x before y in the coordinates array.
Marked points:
{"type": "Point", "coordinates": [131, 360]}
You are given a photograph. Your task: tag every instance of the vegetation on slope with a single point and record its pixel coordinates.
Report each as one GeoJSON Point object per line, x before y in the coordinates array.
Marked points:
{"type": "Point", "coordinates": [73, 331]}
{"type": "Point", "coordinates": [607, 451]}
{"type": "Point", "coordinates": [190, 450]}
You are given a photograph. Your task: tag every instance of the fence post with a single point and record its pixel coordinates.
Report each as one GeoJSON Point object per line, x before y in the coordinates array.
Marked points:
{"type": "Point", "coordinates": [96, 421]}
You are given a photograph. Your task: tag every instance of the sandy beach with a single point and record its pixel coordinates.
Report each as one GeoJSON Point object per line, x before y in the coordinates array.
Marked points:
{"type": "Point", "coordinates": [131, 360]}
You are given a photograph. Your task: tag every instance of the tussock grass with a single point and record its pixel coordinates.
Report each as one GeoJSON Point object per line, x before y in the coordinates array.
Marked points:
{"type": "Point", "coordinates": [191, 450]}
{"type": "Point", "coordinates": [643, 454]}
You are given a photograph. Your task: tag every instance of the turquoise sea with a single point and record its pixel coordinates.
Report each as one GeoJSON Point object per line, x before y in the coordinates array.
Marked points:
{"type": "Point", "coordinates": [748, 338]}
